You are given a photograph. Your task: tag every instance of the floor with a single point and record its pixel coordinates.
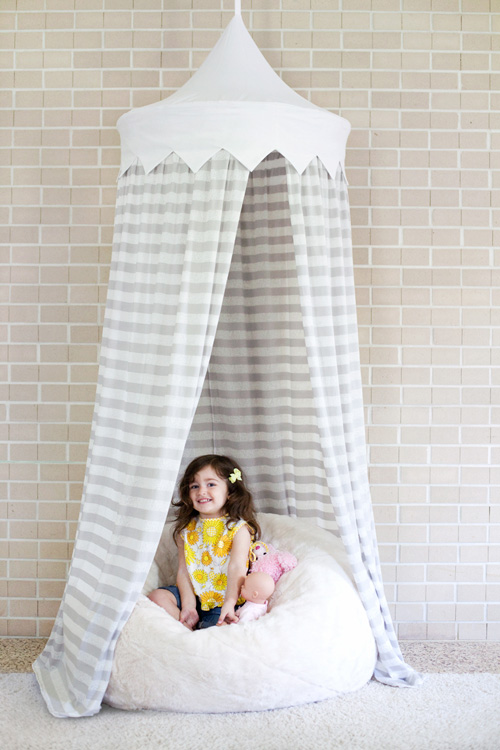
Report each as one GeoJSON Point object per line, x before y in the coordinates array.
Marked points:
{"type": "Point", "coordinates": [18, 654]}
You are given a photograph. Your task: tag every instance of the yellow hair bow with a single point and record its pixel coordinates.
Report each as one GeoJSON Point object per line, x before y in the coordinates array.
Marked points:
{"type": "Point", "coordinates": [236, 475]}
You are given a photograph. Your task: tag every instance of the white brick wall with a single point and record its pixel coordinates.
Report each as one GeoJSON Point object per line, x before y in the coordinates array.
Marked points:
{"type": "Point", "coordinates": [419, 81]}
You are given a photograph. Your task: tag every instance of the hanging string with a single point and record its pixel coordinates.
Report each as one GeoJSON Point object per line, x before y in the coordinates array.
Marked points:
{"type": "Point", "coordinates": [212, 418]}
{"type": "Point", "coordinates": [237, 7]}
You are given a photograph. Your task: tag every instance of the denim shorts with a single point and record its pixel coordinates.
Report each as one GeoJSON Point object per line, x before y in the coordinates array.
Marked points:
{"type": "Point", "coordinates": [208, 618]}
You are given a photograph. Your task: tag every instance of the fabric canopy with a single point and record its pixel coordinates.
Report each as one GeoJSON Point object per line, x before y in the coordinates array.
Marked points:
{"type": "Point", "coordinates": [230, 326]}
{"type": "Point", "coordinates": [237, 102]}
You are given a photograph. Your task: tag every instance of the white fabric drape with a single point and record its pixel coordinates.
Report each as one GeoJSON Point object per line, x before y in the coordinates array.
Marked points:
{"type": "Point", "coordinates": [237, 102]}
{"type": "Point", "coordinates": [173, 241]}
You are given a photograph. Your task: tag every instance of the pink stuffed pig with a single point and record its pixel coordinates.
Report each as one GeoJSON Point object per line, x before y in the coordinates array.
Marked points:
{"type": "Point", "coordinates": [264, 558]}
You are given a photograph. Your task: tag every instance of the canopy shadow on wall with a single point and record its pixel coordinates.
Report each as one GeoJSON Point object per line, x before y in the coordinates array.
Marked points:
{"type": "Point", "coordinates": [230, 326]}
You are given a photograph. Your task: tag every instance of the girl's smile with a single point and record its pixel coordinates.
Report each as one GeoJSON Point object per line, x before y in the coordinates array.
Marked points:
{"type": "Point", "coordinates": [208, 493]}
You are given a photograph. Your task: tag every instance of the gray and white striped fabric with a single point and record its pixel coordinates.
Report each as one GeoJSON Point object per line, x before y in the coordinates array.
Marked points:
{"type": "Point", "coordinates": [227, 333]}
{"type": "Point", "coordinates": [319, 213]}
{"type": "Point", "coordinates": [257, 402]}
{"type": "Point", "coordinates": [172, 248]}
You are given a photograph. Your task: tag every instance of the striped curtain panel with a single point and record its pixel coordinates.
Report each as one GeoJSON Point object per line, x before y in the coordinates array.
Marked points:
{"type": "Point", "coordinates": [172, 248]}
{"type": "Point", "coordinates": [319, 213]}
{"type": "Point", "coordinates": [257, 402]}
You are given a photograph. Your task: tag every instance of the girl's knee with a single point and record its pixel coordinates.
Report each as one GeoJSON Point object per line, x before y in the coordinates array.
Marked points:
{"type": "Point", "coordinates": [166, 600]}
{"type": "Point", "coordinates": [158, 596]}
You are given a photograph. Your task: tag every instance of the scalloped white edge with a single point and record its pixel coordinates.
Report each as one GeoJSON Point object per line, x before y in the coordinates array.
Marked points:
{"type": "Point", "coordinates": [195, 164]}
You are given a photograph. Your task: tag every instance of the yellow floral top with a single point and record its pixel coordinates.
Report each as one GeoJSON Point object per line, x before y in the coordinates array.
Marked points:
{"type": "Point", "coordinates": [207, 547]}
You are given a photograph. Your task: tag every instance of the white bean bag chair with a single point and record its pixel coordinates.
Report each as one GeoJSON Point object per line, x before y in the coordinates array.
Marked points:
{"type": "Point", "coordinates": [314, 642]}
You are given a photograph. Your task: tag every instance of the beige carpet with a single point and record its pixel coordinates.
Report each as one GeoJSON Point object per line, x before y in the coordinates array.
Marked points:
{"type": "Point", "coordinates": [18, 654]}
{"type": "Point", "coordinates": [452, 710]}
{"type": "Point", "coordinates": [447, 712]}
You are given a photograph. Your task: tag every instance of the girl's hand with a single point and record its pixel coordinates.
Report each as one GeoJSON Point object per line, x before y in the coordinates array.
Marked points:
{"type": "Point", "coordinates": [227, 615]}
{"type": "Point", "coordinates": [189, 617]}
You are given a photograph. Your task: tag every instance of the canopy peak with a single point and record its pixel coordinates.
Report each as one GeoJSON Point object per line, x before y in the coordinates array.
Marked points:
{"type": "Point", "coordinates": [237, 102]}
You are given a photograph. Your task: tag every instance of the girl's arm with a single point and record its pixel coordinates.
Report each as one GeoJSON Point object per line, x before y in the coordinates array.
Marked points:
{"type": "Point", "coordinates": [237, 570]}
{"type": "Point", "coordinates": [189, 615]}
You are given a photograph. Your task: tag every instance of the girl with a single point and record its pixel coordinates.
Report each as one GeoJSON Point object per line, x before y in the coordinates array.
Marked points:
{"type": "Point", "coordinates": [214, 527]}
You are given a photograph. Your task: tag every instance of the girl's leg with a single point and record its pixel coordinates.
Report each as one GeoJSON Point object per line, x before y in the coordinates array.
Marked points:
{"type": "Point", "coordinates": [209, 619]}
{"type": "Point", "coordinates": [166, 600]}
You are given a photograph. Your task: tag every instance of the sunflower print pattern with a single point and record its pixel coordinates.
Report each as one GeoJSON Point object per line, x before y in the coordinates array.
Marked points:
{"type": "Point", "coordinates": [206, 558]}
{"type": "Point", "coordinates": [192, 537]}
{"type": "Point", "coordinates": [211, 599]}
{"type": "Point", "coordinates": [219, 581]}
{"type": "Point", "coordinates": [207, 549]}
{"type": "Point", "coordinates": [200, 576]}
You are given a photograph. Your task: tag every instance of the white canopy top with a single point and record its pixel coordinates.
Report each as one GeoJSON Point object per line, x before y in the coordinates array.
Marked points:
{"type": "Point", "coordinates": [236, 102]}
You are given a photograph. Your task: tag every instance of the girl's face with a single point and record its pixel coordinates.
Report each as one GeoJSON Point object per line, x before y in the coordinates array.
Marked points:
{"type": "Point", "coordinates": [208, 493]}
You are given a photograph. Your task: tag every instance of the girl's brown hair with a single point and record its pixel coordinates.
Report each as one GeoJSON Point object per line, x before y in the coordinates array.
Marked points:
{"type": "Point", "coordinates": [239, 503]}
